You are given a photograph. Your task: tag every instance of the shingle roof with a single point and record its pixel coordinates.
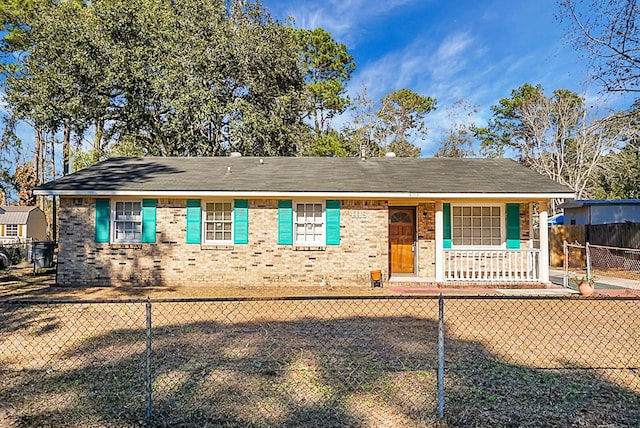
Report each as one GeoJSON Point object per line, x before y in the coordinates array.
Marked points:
{"type": "Point", "coordinates": [15, 214]}
{"type": "Point", "coordinates": [300, 175]}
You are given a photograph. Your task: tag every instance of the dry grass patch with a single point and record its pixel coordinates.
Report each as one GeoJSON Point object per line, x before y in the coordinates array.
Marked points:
{"type": "Point", "coordinates": [323, 362]}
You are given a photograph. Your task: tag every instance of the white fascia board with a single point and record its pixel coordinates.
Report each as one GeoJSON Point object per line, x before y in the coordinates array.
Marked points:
{"type": "Point", "coordinates": [341, 195]}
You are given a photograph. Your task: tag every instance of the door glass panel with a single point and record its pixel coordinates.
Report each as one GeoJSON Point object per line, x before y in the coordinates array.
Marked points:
{"type": "Point", "coordinates": [401, 217]}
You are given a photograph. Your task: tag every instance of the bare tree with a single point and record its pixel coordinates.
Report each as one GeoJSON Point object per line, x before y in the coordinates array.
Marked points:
{"type": "Point", "coordinates": [609, 33]}
{"type": "Point", "coordinates": [459, 140]}
{"type": "Point", "coordinates": [555, 135]}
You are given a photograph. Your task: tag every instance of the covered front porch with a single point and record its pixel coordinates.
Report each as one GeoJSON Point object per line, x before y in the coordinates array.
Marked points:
{"type": "Point", "coordinates": [474, 242]}
{"type": "Point", "coordinates": [520, 258]}
{"type": "Point", "coordinates": [516, 261]}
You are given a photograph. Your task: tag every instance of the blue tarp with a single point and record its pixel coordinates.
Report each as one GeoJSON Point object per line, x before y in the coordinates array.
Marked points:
{"type": "Point", "coordinates": [556, 220]}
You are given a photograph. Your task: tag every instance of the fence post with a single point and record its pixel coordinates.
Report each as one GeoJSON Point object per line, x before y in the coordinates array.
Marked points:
{"type": "Point", "coordinates": [587, 251]}
{"type": "Point", "coordinates": [441, 357]}
{"type": "Point", "coordinates": [565, 264]}
{"type": "Point", "coordinates": [148, 355]}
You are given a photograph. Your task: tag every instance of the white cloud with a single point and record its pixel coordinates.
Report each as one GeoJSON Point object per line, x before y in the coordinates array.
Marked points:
{"type": "Point", "coordinates": [449, 71]}
{"type": "Point", "coordinates": [342, 18]}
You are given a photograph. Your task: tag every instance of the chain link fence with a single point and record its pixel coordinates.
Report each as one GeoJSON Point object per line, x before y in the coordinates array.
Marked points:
{"type": "Point", "coordinates": [356, 361]}
{"type": "Point", "coordinates": [614, 259]}
{"type": "Point", "coordinates": [600, 262]}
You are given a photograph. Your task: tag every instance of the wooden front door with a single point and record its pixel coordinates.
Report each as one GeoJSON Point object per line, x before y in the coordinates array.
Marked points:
{"type": "Point", "coordinates": [402, 227]}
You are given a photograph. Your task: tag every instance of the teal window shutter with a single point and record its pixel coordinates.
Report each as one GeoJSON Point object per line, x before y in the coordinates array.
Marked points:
{"type": "Point", "coordinates": [103, 218]}
{"type": "Point", "coordinates": [148, 221]}
{"type": "Point", "coordinates": [446, 217]}
{"type": "Point", "coordinates": [193, 221]}
{"type": "Point", "coordinates": [241, 221]}
{"type": "Point", "coordinates": [332, 213]}
{"type": "Point", "coordinates": [513, 226]}
{"type": "Point", "coordinates": [285, 222]}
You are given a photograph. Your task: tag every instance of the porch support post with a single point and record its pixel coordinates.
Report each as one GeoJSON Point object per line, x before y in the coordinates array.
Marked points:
{"type": "Point", "coordinates": [439, 225]}
{"type": "Point", "coordinates": [544, 242]}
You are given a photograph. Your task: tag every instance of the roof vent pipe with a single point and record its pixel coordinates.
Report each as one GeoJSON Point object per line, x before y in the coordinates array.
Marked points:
{"type": "Point", "coordinates": [228, 170]}
{"type": "Point", "coordinates": [390, 155]}
{"type": "Point", "coordinates": [363, 152]}
{"type": "Point", "coordinates": [261, 161]}
{"type": "Point", "coordinates": [235, 154]}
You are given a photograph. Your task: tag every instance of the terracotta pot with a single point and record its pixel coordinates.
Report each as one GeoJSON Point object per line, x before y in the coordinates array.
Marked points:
{"type": "Point", "coordinates": [586, 288]}
{"type": "Point", "coordinates": [376, 275]}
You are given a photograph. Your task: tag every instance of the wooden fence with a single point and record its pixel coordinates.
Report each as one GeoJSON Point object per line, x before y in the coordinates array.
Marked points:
{"type": "Point", "coordinates": [622, 235]}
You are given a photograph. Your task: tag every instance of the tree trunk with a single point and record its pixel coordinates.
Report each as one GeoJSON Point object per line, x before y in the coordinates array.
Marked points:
{"type": "Point", "coordinates": [37, 153]}
{"type": "Point", "coordinates": [53, 156]}
{"type": "Point", "coordinates": [66, 144]}
{"type": "Point", "coordinates": [38, 161]}
{"type": "Point", "coordinates": [97, 142]}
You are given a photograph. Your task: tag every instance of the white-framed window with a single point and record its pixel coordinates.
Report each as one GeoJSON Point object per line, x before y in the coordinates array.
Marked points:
{"type": "Point", "coordinates": [477, 225]}
{"type": "Point", "coordinates": [126, 221]}
{"type": "Point", "coordinates": [217, 222]}
{"type": "Point", "coordinates": [11, 230]}
{"type": "Point", "coordinates": [309, 224]}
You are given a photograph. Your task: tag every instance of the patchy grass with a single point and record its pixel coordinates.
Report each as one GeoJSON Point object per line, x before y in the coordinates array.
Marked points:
{"type": "Point", "coordinates": [316, 362]}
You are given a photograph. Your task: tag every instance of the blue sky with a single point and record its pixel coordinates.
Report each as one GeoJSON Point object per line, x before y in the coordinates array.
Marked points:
{"type": "Point", "coordinates": [476, 50]}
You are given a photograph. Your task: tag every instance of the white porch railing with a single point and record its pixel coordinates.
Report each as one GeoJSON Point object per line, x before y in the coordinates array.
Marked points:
{"type": "Point", "coordinates": [492, 265]}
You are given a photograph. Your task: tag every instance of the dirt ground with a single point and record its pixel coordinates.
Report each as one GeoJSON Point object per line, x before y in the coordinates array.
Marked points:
{"type": "Point", "coordinates": [22, 283]}
{"type": "Point", "coordinates": [312, 362]}
{"type": "Point", "coordinates": [317, 362]}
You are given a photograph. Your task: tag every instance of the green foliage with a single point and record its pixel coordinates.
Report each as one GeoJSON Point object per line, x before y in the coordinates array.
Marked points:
{"type": "Point", "coordinates": [9, 155]}
{"type": "Point", "coordinates": [333, 143]}
{"type": "Point", "coordinates": [620, 176]}
{"type": "Point", "coordinates": [393, 126]}
{"type": "Point", "coordinates": [14, 36]}
{"type": "Point", "coordinates": [13, 253]}
{"type": "Point", "coordinates": [187, 77]}
{"type": "Point", "coordinates": [507, 123]}
{"type": "Point", "coordinates": [327, 67]}
{"type": "Point", "coordinates": [401, 121]}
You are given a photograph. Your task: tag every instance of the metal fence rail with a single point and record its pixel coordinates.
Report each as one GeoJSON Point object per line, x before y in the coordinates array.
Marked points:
{"type": "Point", "coordinates": [353, 361]}
{"type": "Point", "coordinates": [601, 262]}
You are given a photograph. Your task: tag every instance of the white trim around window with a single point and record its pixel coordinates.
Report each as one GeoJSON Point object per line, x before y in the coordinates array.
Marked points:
{"type": "Point", "coordinates": [478, 225]}
{"type": "Point", "coordinates": [11, 230]}
{"type": "Point", "coordinates": [126, 221]}
{"type": "Point", "coordinates": [309, 223]}
{"type": "Point", "coordinates": [217, 222]}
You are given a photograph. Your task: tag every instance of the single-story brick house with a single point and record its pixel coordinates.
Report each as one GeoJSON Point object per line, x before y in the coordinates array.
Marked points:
{"type": "Point", "coordinates": [295, 221]}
